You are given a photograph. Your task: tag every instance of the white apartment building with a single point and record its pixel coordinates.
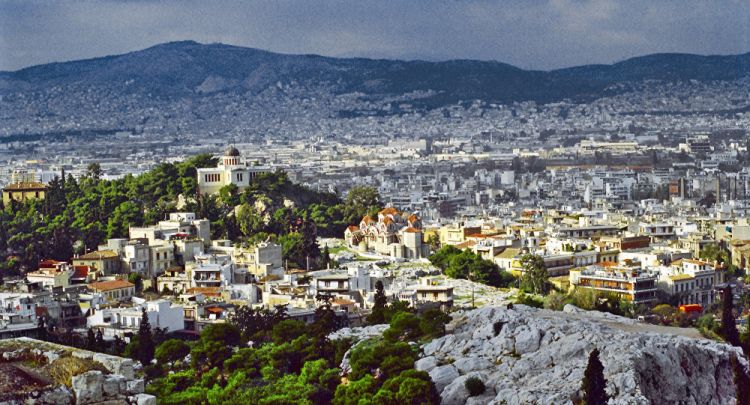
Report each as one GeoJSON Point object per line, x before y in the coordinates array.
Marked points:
{"type": "Point", "coordinates": [118, 321]}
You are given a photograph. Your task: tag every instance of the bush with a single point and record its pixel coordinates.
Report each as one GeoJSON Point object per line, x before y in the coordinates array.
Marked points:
{"type": "Point", "coordinates": [63, 369]}
{"type": "Point", "coordinates": [475, 386]}
{"type": "Point", "coordinates": [530, 300]}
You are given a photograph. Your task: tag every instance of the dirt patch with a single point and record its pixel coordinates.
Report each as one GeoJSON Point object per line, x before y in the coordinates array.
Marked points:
{"type": "Point", "coordinates": [16, 378]}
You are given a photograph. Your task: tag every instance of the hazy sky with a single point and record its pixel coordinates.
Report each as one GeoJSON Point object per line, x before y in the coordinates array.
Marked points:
{"type": "Point", "coordinates": [539, 34]}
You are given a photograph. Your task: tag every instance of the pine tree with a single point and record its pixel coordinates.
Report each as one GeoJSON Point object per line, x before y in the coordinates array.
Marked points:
{"type": "Point", "coordinates": [741, 382]}
{"type": "Point", "coordinates": [593, 381]}
{"type": "Point", "coordinates": [728, 326]}
{"type": "Point", "coordinates": [146, 347]}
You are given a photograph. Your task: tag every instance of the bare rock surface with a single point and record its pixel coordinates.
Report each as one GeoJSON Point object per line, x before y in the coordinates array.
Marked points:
{"type": "Point", "coordinates": [526, 355]}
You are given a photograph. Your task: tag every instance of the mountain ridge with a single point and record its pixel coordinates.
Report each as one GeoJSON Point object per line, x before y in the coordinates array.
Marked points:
{"type": "Point", "coordinates": [190, 69]}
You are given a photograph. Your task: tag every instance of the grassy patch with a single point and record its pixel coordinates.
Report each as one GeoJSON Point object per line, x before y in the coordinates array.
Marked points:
{"type": "Point", "coordinates": [63, 369]}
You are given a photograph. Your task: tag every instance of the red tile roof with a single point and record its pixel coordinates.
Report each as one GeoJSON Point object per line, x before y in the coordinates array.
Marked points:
{"type": "Point", "coordinates": [111, 285]}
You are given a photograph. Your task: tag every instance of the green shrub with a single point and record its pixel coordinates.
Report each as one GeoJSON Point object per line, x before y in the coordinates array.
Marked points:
{"type": "Point", "coordinates": [475, 386]}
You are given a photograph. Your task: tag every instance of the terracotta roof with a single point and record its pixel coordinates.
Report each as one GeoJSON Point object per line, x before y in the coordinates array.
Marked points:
{"type": "Point", "coordinates": [25, 185]}
{"type": "Point", "coordinates": [681, 277]}
{"type": "Point", "coordinates": [215, 310]}
{"type": "Point", "coordinates": [388, 211]}
{"type": "Point", "coordinates": [80, 271]}
{"type": "Point", "coordinates": [508, 253]}
{"type": "Point", "coordinates": [99, 255]}
{"type": "Point", "coordinates": [111, 285]}
{"type": "Point", "coordinates": [387, 220]}
{"type": "Point", "coordinates": [367, 219]}
{"type": "Point", "coordinates": [413, 217]}
{"type": "Point", "coordinates": [467, 244]}
{"type": "Point", "coordinates": [49, 263]}
{"type": "Point", "coordinates": [412, 230]}
{"type": "Point", "coordinates": [352, 228]}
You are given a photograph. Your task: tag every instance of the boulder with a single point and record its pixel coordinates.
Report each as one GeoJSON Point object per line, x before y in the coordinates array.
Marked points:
{"type": "Point", "coordinates": [134, 387]}
{"type": "Point", "coordinates": [143, 399]}
{"type": "Point", "coordinates": [443, 375]}
{"type": "Point", "coordinates": [426, 363]}
{"type": "Point", "coordinates": [113, 385]}
{"type": "Point", "coordinates": [88, 387]}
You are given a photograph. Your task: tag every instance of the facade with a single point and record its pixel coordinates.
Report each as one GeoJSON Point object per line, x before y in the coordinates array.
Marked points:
{"type": "Point", "coordinates": [629, 283]}
{"type": "Point", "coordinates": [211, 271]}
{"type": "Point", "coordinates": [429, 291]}
{"type": "Point", "coordinates": [51, 274]}
{"type": "Point", "coordinates": [119, 321]}
{"type": "Point", "coordinates": [17, 315]}
{"type": "Point", "coordinates": [106, 262]}
{"type": "Point", "coordinates": [114, 290]}
{"type": "Point", "coordinates": [230, 170]}
{"type": "Point", "coordinates": [24, 191]}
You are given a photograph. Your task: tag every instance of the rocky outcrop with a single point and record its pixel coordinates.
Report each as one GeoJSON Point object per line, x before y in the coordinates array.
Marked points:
{"type": "Point", "coordinates": [115, 385]}
{"type": "Point", "coordinates": [531, 356]}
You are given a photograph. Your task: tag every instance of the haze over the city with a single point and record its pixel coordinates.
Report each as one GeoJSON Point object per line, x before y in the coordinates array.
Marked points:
{"type": "Point", "coordinates": [538, 34]}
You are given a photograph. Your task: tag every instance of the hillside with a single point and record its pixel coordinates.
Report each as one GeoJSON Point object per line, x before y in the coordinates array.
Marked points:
{"type": "Point", "coordinates": [186, 69]}
{"type": "Point", "coordinates": [180, 87]}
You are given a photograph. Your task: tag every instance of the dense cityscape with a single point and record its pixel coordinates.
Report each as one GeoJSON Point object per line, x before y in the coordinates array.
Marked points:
{"type": "Point", "coordinates": [177, 228]}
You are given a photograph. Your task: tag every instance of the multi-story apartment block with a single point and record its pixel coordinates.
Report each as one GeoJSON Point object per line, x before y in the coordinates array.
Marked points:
{"type": "Point", "coordinates": [629, 283]}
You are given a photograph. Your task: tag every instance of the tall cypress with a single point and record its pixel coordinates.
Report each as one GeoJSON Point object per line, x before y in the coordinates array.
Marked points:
{"type": "Point", "coordinates": [146, 347]}
{"type": "Point", "coordinates": [728, 326]}
{"type": "Point", "coordinates": [594, 382]}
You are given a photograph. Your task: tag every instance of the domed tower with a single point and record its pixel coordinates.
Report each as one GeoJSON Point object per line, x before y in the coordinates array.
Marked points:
{"type": "Point", "coordinates": [231, 157]}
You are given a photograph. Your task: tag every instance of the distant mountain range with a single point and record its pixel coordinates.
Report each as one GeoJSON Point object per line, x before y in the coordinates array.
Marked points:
{"type": "Point", "coordinates": [189, 69]}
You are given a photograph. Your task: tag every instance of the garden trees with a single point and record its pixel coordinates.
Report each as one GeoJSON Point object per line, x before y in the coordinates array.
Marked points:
{"type": "Point", "coordinates": [535, 276]}
{"type": "Point", "coordinates": [468, 265]}
{"type": "Point", "coordinates": [171, 350]}
{"type": "Point", "coordinates": [214, 346]}
{"type": "Point", "coordinates": [361, 201]}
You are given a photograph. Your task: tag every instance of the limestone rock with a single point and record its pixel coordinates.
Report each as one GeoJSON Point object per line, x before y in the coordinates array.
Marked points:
{"type": "Point", "coordinates": [443, 375]}
{"type": "Point", "coordinates": [528, 355]}
{"type": "Point", "coordinates": [143, 399]}
{"type": "Point", "coordinates": [88, 387]}
{"type": "Point", "coordinates": [426, 363]}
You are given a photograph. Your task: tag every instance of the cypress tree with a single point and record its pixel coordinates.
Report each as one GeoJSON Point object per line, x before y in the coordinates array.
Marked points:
{"type": "Point", "coordinates": [594, 382]}
{"type": "Point", "coordinates": [378, 310]}
{"type": "Point", "coordinates": [728, 326]}
{"type": "Point", "coordinates": [90, 340]}
{"type": "Point", "coordinates": [99, 341]}
{"type": "Point", "coordinates": [145, 350]}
